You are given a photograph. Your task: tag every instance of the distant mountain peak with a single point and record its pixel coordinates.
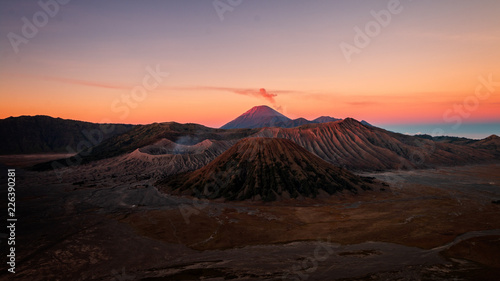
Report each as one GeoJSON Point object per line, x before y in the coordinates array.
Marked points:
{"type": "Point", "coordinates": [264, 116]}
{"type": "Point", "coordinates": [258, 117]}
{"type": "Point", "coordinates": [325, 119]}
{"type": "Point", "coordinates": [350, 120]}
{"type": "Point", "coordinates": [263, 110]}
{"type": "Point", "coordinates": [366, 123]}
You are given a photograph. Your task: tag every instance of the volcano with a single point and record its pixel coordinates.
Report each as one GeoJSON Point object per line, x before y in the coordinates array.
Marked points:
{"type": "Point", "coordinates": [263, 116]}
{"type": "Point", "coordinates": [258, 117]}
{"type": "Point", "coordinates": [265, 169]}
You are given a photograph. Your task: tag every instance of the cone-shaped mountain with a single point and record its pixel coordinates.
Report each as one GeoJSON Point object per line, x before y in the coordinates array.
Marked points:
{"type": "Point", "coordinates": [266, 169]}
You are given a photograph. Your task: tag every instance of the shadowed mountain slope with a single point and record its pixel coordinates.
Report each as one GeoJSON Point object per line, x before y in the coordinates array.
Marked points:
{"type": "Point", "coordinates": [165, 158]}
{"type": "Point", "coordinates": [491, 143]}
{"type": "Point", "coordinates": [265, 169]}
{"type": "Point", "coordinates": [145, 137]}
{"type": "Point", "coordinates": [161, 139]}
{"type": "Point", "coordinates": [44, 134]}
{"type": "Point", "coordinates": [448, 139]}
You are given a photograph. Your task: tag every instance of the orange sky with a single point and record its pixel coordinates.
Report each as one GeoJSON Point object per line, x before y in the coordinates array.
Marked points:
{"type": "Point", "coordinates": [214, 107]}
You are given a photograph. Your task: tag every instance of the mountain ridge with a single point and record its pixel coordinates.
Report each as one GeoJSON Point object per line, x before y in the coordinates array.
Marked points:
{"type": "Point", "coordinates": [264, 116]}
{"type": "Point", "coordinates": [353, 145]}
{"type": "Point", "coordinates": [45, 134]}
{"type": "Point", "coordinates": [346, 143]}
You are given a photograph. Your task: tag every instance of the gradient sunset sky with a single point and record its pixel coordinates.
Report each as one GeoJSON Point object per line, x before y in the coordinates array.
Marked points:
{"type": "Point", "coordinates": [419, 70]}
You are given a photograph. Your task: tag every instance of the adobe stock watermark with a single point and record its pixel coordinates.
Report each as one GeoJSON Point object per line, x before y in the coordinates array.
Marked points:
{"type": "Point", "coordinates": [309, 265]}
{"type": "Point", "coordinates": [40, 19]}
{"type": "Point", "coordinates": [363, 37]}
{"type": "Point", "coordinates": [138, 94]}
{"type": "Point", "coordinates": [210, 191]}
{"type": "Point", "coordinates": [223, 6]}
{"type": "Point", "coordinates": [122, 105]}
{"type": "Point", "coordinates": [121, 276]}
{"type": "Point", "coordinates": [484, 89]}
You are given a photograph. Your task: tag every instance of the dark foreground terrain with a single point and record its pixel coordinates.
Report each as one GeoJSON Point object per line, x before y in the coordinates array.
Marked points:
{"type": "Point", "coordinates": [437, 224]}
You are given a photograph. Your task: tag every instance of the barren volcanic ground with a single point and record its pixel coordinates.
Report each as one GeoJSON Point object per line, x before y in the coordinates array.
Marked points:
{"type": "Point", "coordinates": [429, 225]}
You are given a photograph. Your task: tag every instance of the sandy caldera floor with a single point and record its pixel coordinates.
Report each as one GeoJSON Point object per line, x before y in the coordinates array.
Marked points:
{"type": "Point", "coordinates": [429, 225]}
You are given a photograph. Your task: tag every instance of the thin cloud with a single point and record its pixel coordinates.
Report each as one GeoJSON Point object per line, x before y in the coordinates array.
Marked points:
{"type": "Point", "coordinates": [460, 37]}
{"type": "Point", "coordinates": [85, 83]}
{"type": "Point", "coordinates": [361, 103]}
{"type": "Point", "coordinates": [259, 93]}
